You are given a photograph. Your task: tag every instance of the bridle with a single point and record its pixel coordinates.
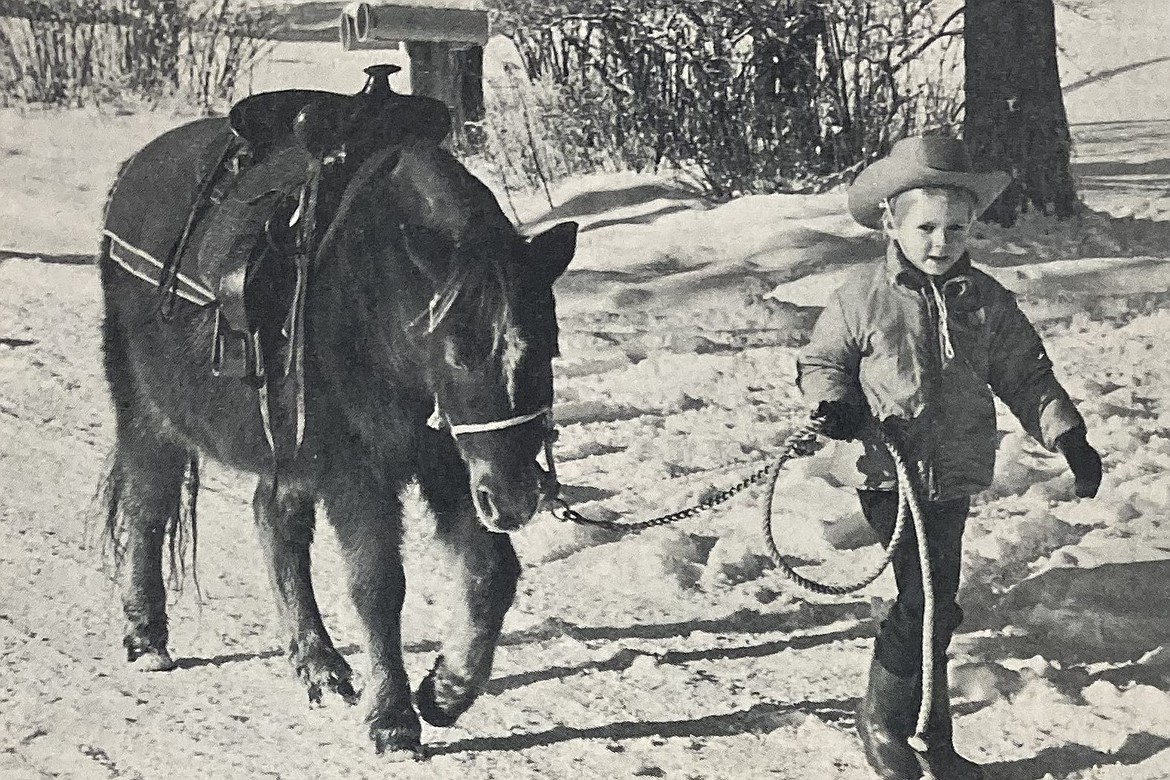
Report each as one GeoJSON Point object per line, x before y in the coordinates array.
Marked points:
{"type": "Point", "coordinates": [436, 311]}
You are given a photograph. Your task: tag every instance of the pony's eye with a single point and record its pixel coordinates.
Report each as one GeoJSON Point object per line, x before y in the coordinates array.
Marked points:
{"type": "Point", "coordinates": [465, 352]}
{"type": "Point", "coordinates": [455, 357]}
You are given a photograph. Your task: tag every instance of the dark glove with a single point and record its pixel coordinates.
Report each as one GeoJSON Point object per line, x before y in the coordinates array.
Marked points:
{"type": "Point", "coordinates": [840, 420]}
{"type": "Point", "coordinates": [1082, 459]}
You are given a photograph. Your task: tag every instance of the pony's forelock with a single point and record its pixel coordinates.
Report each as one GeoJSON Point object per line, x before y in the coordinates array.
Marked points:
{"type": "Point", "coordinates": [486, 284]}
{"type": "Point", "coordinates": [508, 341]}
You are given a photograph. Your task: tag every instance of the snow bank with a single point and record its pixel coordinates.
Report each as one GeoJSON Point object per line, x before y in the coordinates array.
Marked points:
{"type": "Point", "coordinates": [1114, 611]}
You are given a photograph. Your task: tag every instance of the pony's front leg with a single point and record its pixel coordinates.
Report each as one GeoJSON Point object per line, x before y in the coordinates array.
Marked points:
{"type": "Point", "coordinates": [284, 523]}
{"type": "Point", "coordinates": [368, 522]}
{"type": "Point", "coordinates": [484, 572]}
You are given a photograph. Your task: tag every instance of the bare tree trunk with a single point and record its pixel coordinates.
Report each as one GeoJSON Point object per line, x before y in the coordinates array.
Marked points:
{"type": "Point", "coordinates": [1015, 117]}
{"type": "Point", "coordinates": [785, 83]}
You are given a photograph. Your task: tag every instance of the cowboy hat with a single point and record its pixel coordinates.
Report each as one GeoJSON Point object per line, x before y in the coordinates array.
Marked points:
{"type": "Point", "coordinates": [914, 162]}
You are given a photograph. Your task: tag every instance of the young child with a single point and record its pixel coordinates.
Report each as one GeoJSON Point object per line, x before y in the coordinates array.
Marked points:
{"type": "Point", "coordinates": [917, 344]}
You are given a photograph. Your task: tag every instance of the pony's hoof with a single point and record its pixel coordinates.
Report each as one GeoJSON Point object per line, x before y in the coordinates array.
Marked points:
{"type": "Point", "coordinates": [326, 670]}
{"type": "Point", "coordinates": [343, 688]}
{"type": "Point", "coordinates": [398, 743]}
{"type": "Point", "coordinates": [441, 703]}
{"type": "Point", "coordinates": [152, 661]}
{"type": "Point", "coordinates": [396, 732]}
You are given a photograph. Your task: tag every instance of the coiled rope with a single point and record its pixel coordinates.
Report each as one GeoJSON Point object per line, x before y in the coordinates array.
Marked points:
{"type": "Point", "coordinates": [910, 505]}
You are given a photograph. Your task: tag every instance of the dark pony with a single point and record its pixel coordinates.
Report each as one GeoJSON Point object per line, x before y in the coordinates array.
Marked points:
{"type": "Point", "coordinates": [423, 304]}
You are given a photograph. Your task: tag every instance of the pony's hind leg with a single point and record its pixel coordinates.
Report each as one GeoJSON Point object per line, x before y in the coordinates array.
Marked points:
{"type": "Point", "coordinates": [284, 523]}
{"type": "Point", "coordinates": [485, 571]}
{"type": "Point", "coordinates": [146, 489]}
{"type": "Point", "coordinates": [368, 521]}
{"type": "Point", "coordinates": [142, 498]}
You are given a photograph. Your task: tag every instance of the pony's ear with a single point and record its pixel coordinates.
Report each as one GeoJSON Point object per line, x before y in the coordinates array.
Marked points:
{"type": "Point", "coordinates": [550, 252]}
{"type": "Point", "coordinates": [429, 250]}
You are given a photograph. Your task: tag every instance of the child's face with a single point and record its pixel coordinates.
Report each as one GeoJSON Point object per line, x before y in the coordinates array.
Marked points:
{"type": "Point", "coordinates": [931, 227]}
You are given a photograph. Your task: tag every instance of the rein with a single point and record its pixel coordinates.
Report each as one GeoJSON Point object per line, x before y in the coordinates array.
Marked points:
{"type": "Point", "coordinates": [360, 178]}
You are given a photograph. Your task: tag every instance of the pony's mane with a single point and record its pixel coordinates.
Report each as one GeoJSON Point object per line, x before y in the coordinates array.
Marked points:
{"type": "Point", "coordinates": [431, 189]}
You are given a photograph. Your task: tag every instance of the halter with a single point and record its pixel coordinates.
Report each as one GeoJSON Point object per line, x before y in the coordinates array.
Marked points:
{"type": "Point", "coordinates": [549, 485]}
{"type": "Point", "coordinates": [498, 425]}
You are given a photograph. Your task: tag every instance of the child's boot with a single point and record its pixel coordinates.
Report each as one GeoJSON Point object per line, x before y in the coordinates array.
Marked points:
{"type": "Point", "coordinates": [941, 758]}
{"type": "Point", "coordinates": [885, 720]}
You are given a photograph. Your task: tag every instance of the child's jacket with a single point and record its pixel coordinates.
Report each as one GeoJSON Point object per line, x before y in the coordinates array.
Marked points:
{"type": "Point", "coordinates": [881, 342]}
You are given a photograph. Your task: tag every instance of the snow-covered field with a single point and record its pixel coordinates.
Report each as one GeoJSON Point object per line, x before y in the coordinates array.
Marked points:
{"type": "Point", "coordinates": [678, 652]}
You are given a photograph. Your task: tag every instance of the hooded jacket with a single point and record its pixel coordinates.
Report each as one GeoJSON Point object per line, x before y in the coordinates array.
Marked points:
{"type": "Point", "coordinates": [925, 356]}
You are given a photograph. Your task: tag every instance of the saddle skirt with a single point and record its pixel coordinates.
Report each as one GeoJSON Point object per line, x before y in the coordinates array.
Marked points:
{"type": "Point", "coordinates": [195, 225]}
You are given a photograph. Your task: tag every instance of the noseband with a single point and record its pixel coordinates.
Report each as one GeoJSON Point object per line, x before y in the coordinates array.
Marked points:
{"type": "Point", "coordinates": [498, 425]}
{"type": "Point", "coordinates": [549, 485]}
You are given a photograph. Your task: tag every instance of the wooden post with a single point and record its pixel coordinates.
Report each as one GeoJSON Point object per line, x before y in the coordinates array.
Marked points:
{"type": "Point", "coordinates": [468, 74]}
{"type": "Point", "coordinates": [453, 75]}
{"type": "Point", "coordinates": [430, 70]}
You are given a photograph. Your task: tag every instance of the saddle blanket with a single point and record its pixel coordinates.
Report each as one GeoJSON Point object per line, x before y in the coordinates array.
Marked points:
{"type": "Point", "coordinates": [184, 184]}
{"type": "Point", "coordinates": [149, 269]}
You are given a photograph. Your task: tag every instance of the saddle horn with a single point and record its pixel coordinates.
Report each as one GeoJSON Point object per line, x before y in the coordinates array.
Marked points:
{"type": "Point", "coordinates": [378, 81]}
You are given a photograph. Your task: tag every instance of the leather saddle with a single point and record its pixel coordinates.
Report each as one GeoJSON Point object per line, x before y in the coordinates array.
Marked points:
{"type": "Point", "coordinates": [253, 249]}
{"type": "Point", "coordinates": [376, 116]}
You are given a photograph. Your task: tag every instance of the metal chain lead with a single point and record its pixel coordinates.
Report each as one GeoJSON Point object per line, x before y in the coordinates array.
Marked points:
{"type": "Point", "coordinates": [801, 443]}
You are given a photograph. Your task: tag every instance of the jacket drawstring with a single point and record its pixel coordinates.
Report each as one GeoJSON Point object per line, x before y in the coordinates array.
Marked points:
{"type": "Point", "coordinates": [943, 328]}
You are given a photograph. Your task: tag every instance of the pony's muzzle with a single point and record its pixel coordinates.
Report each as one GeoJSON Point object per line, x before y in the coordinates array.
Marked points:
{"type": "Point", "coordinates": [503, 508]}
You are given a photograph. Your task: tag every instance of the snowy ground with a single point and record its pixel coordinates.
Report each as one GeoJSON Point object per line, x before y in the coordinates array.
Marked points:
{"type": "Point", "coordinates": [674, 653]}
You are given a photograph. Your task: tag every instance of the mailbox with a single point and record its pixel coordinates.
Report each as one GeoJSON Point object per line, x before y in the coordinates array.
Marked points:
{"type": "Point", "coordinates": [460, 24]}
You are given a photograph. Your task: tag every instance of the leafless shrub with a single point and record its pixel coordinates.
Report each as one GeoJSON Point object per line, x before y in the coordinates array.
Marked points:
{"type": "Point", "coordinates": [97, 51]}
{"type": "Point", "coordinates": [752, 96]}
{"type": "Point", "coordinates": [535, 133]}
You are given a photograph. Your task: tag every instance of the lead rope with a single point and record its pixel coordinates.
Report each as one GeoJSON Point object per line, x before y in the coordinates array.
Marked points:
{"type": "Point", "coordinates": [796, 577]}
{"type": "Point", "coordinates": [908, 504]}
{"type": "Point", "coordinates": [908, 497]}
{"type": "Point", "coordinates": [918, 740]}
{"type": "Point", "coordinates": [802, 443]}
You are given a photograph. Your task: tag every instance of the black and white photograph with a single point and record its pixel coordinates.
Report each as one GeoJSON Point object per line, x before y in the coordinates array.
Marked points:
{"type": "Point", "coordinates": [559, 390]}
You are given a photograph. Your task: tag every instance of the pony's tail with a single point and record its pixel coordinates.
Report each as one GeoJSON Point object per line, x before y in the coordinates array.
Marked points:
{"type": "Point", "coordinates": [109, 497]}
{"type": "Point", "coordinates": [183, 527]}
{"type": "Point", "coordinates": [181, 532]}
